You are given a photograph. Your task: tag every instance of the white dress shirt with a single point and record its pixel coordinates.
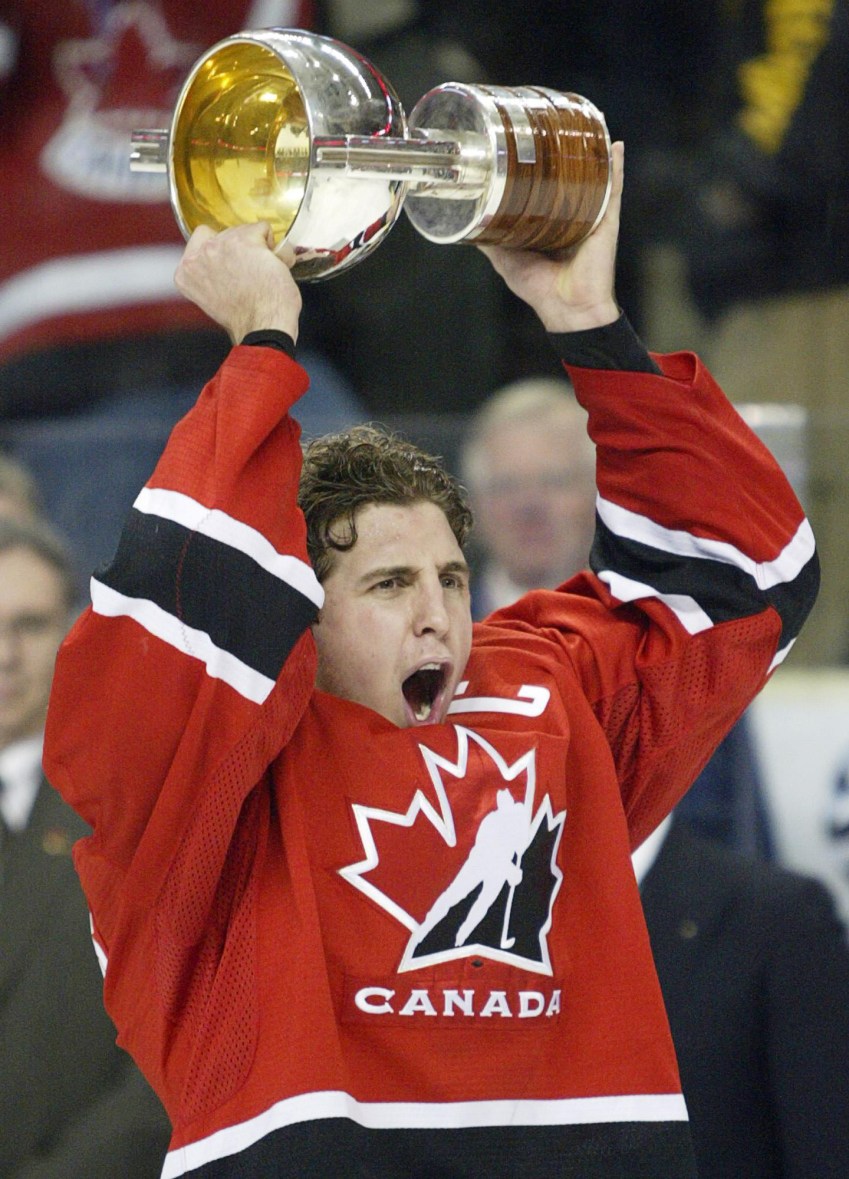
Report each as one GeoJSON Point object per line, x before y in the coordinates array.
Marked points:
{"type": "Point", "coordinates": [20, 773]}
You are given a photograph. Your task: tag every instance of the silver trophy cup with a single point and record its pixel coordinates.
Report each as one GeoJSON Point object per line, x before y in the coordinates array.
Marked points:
{"type": "Point", "coordinates": [300, 130]}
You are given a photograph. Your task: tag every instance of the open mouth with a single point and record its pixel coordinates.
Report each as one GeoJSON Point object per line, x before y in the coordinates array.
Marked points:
{"type": "Point", "coordinates": [423, 689]}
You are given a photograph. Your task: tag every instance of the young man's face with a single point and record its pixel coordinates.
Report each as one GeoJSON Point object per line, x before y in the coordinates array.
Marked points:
{"type": "Point", "coordinates": [33, 620]}
{"type": "Point", "coordinates": [395, 631]}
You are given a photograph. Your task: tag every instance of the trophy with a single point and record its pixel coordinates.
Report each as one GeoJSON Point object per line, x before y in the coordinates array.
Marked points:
{"type": "Point", "coordinates": [300, 130]}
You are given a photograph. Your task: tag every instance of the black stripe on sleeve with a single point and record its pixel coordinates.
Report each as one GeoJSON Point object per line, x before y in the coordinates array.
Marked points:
{"type": "Point", "coordinates": [211, 587]}
{"type": "Point", "coordinates": [725, 592]}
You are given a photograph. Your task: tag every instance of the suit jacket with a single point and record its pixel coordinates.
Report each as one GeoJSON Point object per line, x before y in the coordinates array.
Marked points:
{"type": "Point", "coordinates": [754, 966]}
{"type": "Point", "coordinates": [72, 1104]}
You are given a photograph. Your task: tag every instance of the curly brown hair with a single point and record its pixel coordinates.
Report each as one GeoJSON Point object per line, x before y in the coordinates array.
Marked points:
{"type": "Point", "coordinates": [345, 472]}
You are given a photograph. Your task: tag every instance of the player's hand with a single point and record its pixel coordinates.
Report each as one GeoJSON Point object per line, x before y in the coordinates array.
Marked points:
{"type": "Point", "coordinates": [576, 290]}
{"type": "Point", "coordinates": [238, 279]}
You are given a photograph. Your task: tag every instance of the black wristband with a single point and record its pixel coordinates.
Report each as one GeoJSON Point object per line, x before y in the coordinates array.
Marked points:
{"type": "Point", "coordinates": [272, 338]}
{"type": "Point", "coordinates": [614, 346]}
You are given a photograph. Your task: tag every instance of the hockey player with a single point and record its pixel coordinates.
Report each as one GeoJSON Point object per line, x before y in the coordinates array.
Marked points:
{"type": "Point", "coordinates": [287, 737]}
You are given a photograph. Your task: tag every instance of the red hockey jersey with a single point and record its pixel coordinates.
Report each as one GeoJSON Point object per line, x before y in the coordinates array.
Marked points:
{"type": "Point", "coordinates": [336, 947]}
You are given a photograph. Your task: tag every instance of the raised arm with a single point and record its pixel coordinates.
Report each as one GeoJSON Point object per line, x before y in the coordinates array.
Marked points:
{"type": "Point", "coordinates": [704, 565]}
{"type": "Point", "coordinates": [186, 676]}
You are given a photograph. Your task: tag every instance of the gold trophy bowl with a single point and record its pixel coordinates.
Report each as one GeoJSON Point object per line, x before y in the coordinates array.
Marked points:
{"type": "Point", "coordinates": [300, 130]}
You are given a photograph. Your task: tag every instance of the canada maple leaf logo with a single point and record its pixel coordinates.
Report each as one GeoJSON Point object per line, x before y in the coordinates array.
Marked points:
{"type": "Point", "coordinates": [132, 66]}
{"type": "Point", "coordinates": [126, 77]}
{"type": "Point", "coordinates": [471, 870]}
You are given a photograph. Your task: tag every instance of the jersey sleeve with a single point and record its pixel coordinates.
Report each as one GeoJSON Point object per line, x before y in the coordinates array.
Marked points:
{"type": "Point", "coordinates": [703, 570]}
{"type": "Point", "coordinates": [187, 674]}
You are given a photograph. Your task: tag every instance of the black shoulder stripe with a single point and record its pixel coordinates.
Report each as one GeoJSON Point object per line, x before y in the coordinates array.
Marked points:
{"type": "Point", "coordinates": [211, 587]}
{"type": "Point", "coordinates": [722, 590]}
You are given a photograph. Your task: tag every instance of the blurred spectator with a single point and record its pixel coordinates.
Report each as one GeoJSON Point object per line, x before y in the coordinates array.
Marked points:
{"type": "Point", "coordinates": [753, 963]}
{"type": "Point", "coordinates": [529, 467]}
{"type": "Point", "coordinates": [72, 1105]}
{"type": "Point", "coordinates": [20, 498]}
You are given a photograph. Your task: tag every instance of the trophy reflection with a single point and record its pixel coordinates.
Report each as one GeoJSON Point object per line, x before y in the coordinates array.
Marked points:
{"type": "Point", "coordinates": [300, 130]}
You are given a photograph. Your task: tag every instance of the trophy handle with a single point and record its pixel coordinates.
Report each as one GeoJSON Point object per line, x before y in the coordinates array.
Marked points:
{"type": "Point", "coordinates": [149, 151]}
{"type": "Point", "coordinates": [418, 161]}
{"type": "Point", "coordinates": [460, 163]}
